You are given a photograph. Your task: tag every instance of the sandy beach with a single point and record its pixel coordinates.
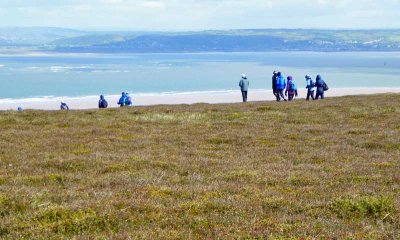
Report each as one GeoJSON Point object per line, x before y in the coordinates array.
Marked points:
{"type": "Point", "coordinates": [176, 98]}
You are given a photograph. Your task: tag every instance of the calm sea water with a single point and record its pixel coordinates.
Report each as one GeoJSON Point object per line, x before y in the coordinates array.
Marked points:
{"type": "Point", "coordinates": [87, 75]}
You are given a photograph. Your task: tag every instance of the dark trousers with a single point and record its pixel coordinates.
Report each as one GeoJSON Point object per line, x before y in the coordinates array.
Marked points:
{"type": "Point", "coordinates": [244, 95]}
{"type": "Point", "coordinates": [280, 95]}
{"type": "Point", "coordinates": [319, 94]}
{"type": "Point", "coordinates": [310, 94]}
{"type": "Point", "coordinates": [276, 94]}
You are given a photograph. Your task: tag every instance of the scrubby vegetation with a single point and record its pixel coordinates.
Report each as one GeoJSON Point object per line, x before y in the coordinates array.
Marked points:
{"type": "Point", "coordinates": [316, 170]}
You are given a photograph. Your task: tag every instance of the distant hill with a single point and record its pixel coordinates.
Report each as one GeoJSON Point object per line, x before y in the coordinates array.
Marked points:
{"type": "Point", "coordinates": [34, 36]}
{"type": "Point", "coordinates": [257, 40]}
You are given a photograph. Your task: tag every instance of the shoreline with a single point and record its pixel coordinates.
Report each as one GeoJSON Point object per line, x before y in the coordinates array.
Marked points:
{"type": "Point", "coordinates": [210, 97]}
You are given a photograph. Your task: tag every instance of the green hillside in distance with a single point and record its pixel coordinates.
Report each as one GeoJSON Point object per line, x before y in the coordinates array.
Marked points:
{"type": "Point", "coordinates": [247, 40]}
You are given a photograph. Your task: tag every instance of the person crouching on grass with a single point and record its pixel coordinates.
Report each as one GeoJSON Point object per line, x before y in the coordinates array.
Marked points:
{"type": "Point", "coordinates": [244, 87]}
{"type": "Point", "coordinates": [291, 88]}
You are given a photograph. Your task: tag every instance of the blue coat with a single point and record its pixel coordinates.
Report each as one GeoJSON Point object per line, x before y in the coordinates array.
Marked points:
{"type": "Point", "coordinates": [319, 83]}
{"type": "Point", "coordinates": [280, 83]}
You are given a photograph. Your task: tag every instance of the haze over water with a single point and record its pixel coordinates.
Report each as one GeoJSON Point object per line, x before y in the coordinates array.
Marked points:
{"type": "Point", "coordinates": [93, 74]}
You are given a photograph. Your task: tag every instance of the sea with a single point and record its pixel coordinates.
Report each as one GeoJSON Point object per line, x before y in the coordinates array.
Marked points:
{"type": "Point", "coordinates": [41, 76]}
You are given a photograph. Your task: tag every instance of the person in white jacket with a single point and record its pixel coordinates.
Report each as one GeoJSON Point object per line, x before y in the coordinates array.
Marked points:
{"type": "Point", "coordinates": [310, 88]}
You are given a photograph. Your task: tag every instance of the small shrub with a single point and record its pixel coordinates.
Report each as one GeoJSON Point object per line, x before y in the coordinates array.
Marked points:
{"type": "Point", "coordinates": [70, 222]}
{"type": "Point", "coordinates": [219, 141]}
{"type": "Point", "coordinates": [371, 206]}
{"type": "Point", "coordinates": [80, 149]}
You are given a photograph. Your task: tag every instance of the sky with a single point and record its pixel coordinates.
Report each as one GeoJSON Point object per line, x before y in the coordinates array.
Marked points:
{"type": "Point", "coordinates": [177, 15]}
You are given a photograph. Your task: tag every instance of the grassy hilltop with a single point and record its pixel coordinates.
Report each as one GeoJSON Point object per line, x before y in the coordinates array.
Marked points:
{"type": "Point", "coordinates": [324, 170]}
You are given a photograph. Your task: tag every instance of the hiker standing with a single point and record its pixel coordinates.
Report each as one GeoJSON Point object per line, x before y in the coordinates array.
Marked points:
{"type": "Point", "coordinates": [244, 87]}
{"type": "Point", "coordinates": [103, 102]}
{"type": "Point", "coordinates": [280, 86]}
{"type": "Point", "coordinates": [274, 91]}
{"type": "Point", "coordinates": [291, 88]}
{"type": "Point", "coordinates": [310, 88]}
{"type": "Point", "coordinates": [321, 87]}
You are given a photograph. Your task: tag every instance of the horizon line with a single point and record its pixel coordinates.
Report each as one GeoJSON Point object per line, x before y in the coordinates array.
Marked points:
{"type": "Point", "coordinates": [107, 29]}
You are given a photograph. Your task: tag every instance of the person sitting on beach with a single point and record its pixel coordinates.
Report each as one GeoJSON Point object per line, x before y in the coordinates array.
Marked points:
{"type": "Point", "coordinates": [244, 87]}
{"type": "Point", "coordinates": [310, 88]}
{"type": "Point", "coordinates": [274, 91]}
{"type": "Point", "coordinates": [291, 88]}
{"type": "Point", "coordinates": [122, 100]}
{"type": "Point", "coordinates": [128, 100]}
{"type": "Point", "coordinates": [64, 106]}
{"type": "Point", "coordinates": [321, 87]}
{"type": "Point", "coordinates": [103, 102]}
{"type": "Point", "coordinates": [280, 86]}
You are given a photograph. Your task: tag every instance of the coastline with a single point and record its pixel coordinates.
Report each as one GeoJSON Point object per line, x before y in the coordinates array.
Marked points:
{"type": "Point", "coordinates": [212, 97]}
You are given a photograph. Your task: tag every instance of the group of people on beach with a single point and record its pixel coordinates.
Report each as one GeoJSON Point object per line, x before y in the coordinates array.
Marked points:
{"type": "Point", "coordinates": [283, 88]}
{"type": "Point", "coordinates": [124, 101]}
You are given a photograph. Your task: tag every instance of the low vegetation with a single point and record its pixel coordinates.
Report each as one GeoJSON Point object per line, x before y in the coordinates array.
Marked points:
{"type": "Point", "coordinates": [318, 170]}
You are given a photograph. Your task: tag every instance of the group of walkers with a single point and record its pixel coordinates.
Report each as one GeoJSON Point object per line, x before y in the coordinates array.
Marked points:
{"type": "Point", "coordinates": [283, 88]}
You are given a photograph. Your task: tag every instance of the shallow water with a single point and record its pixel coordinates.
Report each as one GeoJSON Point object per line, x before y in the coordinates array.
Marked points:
{"type": "Point", "coordinates": [80, 75]}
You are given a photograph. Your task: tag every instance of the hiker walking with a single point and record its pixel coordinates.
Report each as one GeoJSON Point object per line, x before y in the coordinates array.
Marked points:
{"type": "Point", "coordinates": [103, 102]}
{"type": "Point", "coordinates": [291, 88]}
{"type": "Point", "coordinates": [244, 87]}
{"type": "Point", "coordinates": [274, 91]}
{"type": "Point", "coordinates": [321, 87]}
{"type": "Point", "coordinates": [64, 106]}
{"type": "Point", "coordinates": [280, 86]}
{"type": "Point", "coordinates": [310, 88]}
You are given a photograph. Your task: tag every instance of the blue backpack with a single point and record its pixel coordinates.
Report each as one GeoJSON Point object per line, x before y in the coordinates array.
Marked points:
{"type": "Point", "coordinates": [128, 101]}
{"type": "Point", "coordinates": [103, 103]}
{"type": "Point", "coordinates": [292, 86]}
{"type": "Point", "coordinates": [280, 83]}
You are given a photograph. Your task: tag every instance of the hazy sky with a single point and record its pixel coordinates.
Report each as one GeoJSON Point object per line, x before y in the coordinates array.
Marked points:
{"type": "Point", "coordinates": [197, 15]}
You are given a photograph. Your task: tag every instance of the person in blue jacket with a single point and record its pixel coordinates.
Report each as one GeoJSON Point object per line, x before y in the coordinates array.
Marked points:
{"type": "Point", "coordinates": [244, 87]}
{"type": "Point", "coordinates": [280, 86]}
{"type": "Point", "coordinates": [321, 87]}
{"type": "Point", "coordinates": [122, 100]}
{"type": "Point", "coordinates": [103, 102]}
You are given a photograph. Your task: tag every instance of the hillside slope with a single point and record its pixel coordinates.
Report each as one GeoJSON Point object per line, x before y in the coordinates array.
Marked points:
{"type": "Point", "coordinates": [327, 169]}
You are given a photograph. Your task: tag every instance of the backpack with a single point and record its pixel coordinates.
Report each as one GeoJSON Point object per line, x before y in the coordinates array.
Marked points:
{"type": "Point", "coordinates": [325, 86]}
{"type": "Point", "coordinates": [104, 103]}
{"type": "Point", "coordinates": [280, 83]}
{"type": "Point", "coordinates": [128, 101]}
{"type": "Point", "coordinates": [292, 86]}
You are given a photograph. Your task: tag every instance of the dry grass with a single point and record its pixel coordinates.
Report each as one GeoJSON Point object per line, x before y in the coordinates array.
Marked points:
{"type": "Point", "coordinates": [317, 170]}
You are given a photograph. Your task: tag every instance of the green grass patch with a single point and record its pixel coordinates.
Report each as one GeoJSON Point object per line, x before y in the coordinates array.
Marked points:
{"type": "Point", "coordinates": [365, 206]}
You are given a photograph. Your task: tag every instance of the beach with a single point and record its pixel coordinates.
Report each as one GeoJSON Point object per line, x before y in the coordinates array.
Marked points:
{"type": "Point", "coordinates": [211, 97]}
